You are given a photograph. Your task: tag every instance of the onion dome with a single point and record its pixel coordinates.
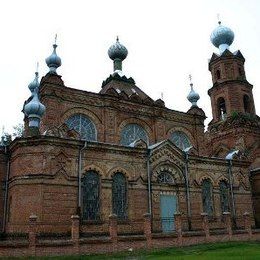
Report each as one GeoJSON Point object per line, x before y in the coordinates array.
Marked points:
{"type": "Point", "coordinates": [193, 96]}
{"type": "Point", "coordinates": [34, 110]}
{"type": "Point", "coordinates": [117, 51]}
{"type": "Point", "coordinates": [34, 85]}
{"type": "Point", "coordinates": [53, 61]}
{"type": "Point", "coordinates": [222, 37]}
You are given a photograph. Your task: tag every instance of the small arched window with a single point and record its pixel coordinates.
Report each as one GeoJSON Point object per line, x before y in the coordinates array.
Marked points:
{"type": "Point", "coordinates": [246, 102]}
{"type": "Point", "coordinates": [131, 133]}
{"type": "Point", "coordinates": [165, 177]}
{"type": "Point", "coordinates": [207, 193]}
{"type": "Point", "coordinates": [180, 139]}
{"type": "Point", "coordinates": [90, 196]}
{"type": "Point", "coordinates": [222, 112]}
{"type": "Point", "coordinates": [224, 196]}
{"type": "Point", "coordinates": [218, 75]}
{"type": "Point", "coordinates": [84, 126]}
{"type": "Point", "coordinates": [119, 195]}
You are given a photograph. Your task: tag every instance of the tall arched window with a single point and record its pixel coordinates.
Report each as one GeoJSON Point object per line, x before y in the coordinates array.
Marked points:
{"type": "Point", "coordinates": [222, 112]}
{"type": "Point", "coordinates": [131, 133]}
{"type": "Point", "coordinates": [90, 196]}
{"type": "Point", "coordinates": [224, 196]}
{"type": "Point", "coordinates": [180, 139]}
{"type": "Point", "coordinates": [207, 193]}
{"type": "Point", "coordinates": [246, 102]}
{"type": "Point", "coordinates": [84, 126]}
{"type": "Point", "coordinates": [119, 195]}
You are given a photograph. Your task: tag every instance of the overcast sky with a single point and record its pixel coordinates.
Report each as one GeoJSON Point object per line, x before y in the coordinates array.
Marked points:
{"type": "Point", "coordinates": [166, 40]}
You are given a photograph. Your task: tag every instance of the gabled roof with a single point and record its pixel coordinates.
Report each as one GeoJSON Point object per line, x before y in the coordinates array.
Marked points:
{"type": "Point", "coordinates": [166, 143]}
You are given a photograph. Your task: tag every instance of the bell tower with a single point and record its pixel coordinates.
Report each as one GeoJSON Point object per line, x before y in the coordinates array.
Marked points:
{"type": "Point", "coordinates": [231, 93]}
{"type": "Point", "coordinates": [235, 125]}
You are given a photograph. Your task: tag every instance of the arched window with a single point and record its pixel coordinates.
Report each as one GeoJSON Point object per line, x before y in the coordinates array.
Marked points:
{"type": "Point", "coordinates": [224, 196]}
{"type": "Point", "coordinates": [222, 112]}
{"type": "Point", "coordinates": [90, 196]}
{"type": "Point", "coordinates": [119, 195]}
{"type": "Point", "coordinates": [131, 133]}
{"type": "Point", "coordinates": [207, 193]}
{"type": "Point", "coordinates": [218, 74]}
{"type": "Point", "coordinates": [180, 139]}
{"type": "Point", "coordinates": [165, 177]}
{"type": "Point", "coordinates": [84, 126]}
{"type": "Point", "coordinates": [246, 102]}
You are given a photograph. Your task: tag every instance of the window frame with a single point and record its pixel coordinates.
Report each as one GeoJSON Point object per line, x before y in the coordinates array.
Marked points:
{"type": "Point", "coordinates": [222, 206]}
{"type": "Point", "coordinates": [124, 216]}
{"type": "Point", "coordinates": [181, 135]}
{"type": "Point", "coordinates": [125, 131]}
{"type": "Point", "coordinates": [210, 198]}
{"type": "Point", "coordinates": [71, 123]}
{"type": "Point", "coordinates": [97, 200]}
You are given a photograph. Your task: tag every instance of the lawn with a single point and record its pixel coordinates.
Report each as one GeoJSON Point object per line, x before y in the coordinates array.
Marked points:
{"type": "Point", "coordinates": [231, 250]}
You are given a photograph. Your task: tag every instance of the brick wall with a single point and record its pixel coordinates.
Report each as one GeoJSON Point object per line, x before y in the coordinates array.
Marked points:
{"type": "Point", "coordinates": [3, 172]}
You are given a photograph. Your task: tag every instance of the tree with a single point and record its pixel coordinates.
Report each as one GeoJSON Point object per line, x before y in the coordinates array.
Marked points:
{"type": "Point", "coordinates": [18, 130]}
{"type": "Point", "coordinates": [6, 138]}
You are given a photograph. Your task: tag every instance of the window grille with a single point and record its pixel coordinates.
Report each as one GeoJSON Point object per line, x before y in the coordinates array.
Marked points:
{"type": "Point", "coordinates": [207, 193]}
{"type": "Point", "coordinates": [90, 194]}
{"type": "Point", "coordinates": [84, 126]}
{"type": "Point", "coordinates": [224, 196]}
{"type": "Point", "coordinates": [180, 139]}
{"type": "Point", "coordinates": [131, 133]}
{"type": "Point", "coordinates": [119, 195]}
{"type": "Point", "coordinates": [165, 177]}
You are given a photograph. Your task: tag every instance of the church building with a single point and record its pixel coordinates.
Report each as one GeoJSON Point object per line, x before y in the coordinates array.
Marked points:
{"type": "Point", "coordinates": [120, 152]}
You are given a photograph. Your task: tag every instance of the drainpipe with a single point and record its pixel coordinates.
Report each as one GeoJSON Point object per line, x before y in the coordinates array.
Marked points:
{"type": "Point", "coordinates": [79, 177]}
{"type": "Point", "coordinates": [6, 188]}
{"type": "Point", "coordinates": [229, 158]}
{"type": "Point", "coordinates": [149, 183]}
{"type": "Point", "coordinates": [186, 155]}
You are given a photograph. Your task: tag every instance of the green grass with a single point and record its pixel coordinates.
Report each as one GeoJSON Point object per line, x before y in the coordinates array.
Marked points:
{"type": "Point", "coordinates": [231, 250]}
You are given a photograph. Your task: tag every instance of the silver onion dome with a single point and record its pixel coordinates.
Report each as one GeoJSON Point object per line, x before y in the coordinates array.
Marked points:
{"type": "Point", "coordinates": [117, 51]}
{"type": "Point", "coordinates": [53, 61]}
{"type": "Point", "coordinates": [193, 96]}
{"type": "Point", "coordinates": [222, 37]}
{"type": "Point", "coordinates": [34, 85]}
{"type": "Point", "coordinates": [34, 110]}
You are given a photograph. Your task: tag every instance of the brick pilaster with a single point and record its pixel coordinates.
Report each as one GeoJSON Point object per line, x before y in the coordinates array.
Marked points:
{"type": "Point", "coordinates": [75, 229]}
{"type": "Point", "coordinates": [32, 234]}
{"type": "Point", "coordinates": [148, 229]}
{"type": "Point", "coordinates": [205, 225]}
{"type": "Point", "coordinates": [178, 226]}
{"type": "Point", "coordinates": [228, 223]}
{"type": "Point", "coordinates": [113, 228]}
{"type": "Point", "coordinates": [247, 223]}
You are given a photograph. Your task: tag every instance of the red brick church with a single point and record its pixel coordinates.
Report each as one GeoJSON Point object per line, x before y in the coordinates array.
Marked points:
{"type": "Point", "coordinates": [120, 152]}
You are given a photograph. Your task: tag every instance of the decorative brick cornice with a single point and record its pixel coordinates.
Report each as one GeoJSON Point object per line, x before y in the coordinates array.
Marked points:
{"type": "Point", "coordinates": [230, 83]}
{"type": "Point", "coordinates": [235, 121]}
